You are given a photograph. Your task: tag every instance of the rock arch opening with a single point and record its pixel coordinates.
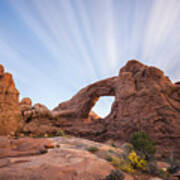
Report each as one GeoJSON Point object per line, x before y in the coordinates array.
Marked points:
{"type": "Point", "coordinates": [81, 104]}
{"type": "Point", "coordinates": [103, 106]}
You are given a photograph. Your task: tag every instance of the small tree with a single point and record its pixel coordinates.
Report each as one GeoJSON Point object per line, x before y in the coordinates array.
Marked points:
{"type": "Point", "coordinates": [143, 144]}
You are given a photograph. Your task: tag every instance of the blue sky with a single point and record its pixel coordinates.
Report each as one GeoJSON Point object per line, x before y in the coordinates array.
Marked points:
{"type": "Point", "coordinates": [54, 48]}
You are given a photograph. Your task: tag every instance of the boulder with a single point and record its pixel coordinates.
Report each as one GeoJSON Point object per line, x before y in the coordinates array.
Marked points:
{"type": "Point", "coordinates": [25, 104]}
{"type": "Point", "coordinates": [10, 113]}
{"type": "Point", "coordinates": [26, 101]}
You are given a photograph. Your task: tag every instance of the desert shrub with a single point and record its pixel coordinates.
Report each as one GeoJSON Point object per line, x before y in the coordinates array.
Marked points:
{"type": "Point", "coordinates": [126, 166]}
{"type": "Point", "coordinates": [137, 162]}
{"type": "Point", "coordinates": [174, 167]}
{"type": "Point", "coordinates": [111, 151]}
{"type": "Point", "coordinates": [60, 132]}
{"type": "Point", "coordinates": [115, 175]}
{"type": "Point", "coordinates": [152, 168]}
{"type": "Point", "coordinates": [122, 164]}
{"type": "Point", "coordinates": [43, 151]}
{"type": "Point", "coordinates": [92, 149]}
{"type": "Point", "coordinates": [108, 158]}
{"type": "Point", "coordinates": [174, 164]}
{"type": "Point", "coordinates": [162, 174]}
{"type": "Point", "coordinates": [115, 161]}
{"type": "Point", "coordinates": [111, 143]}
{"type": "Point", "coordinates": [128, 162]}
{"type": "Point", "coordinates": [127, 148]}
{"type": "Point", "coordinates": [144, 144]}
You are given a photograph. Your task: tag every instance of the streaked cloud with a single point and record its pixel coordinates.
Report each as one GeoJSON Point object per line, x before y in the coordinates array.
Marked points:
{"type": "Point", "coordinates": [57, 47]}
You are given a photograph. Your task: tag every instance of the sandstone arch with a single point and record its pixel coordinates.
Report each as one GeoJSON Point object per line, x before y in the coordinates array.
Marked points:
{"type": "Point", "coordinates": [81, 104]}
{"type": "Point", "coordinates": [145, 99]}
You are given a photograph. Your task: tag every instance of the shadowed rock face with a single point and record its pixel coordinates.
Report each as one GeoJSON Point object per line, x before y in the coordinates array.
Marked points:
{"type": "Point", "coordinates": [145, 99]}
{"type": "Point", "coordinates": [37, 119]}
{"type": "Point", "coordinates": [10, 114]}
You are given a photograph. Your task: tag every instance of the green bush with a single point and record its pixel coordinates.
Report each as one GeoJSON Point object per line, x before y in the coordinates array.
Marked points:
{"type": "Point", "coordinates": [92, 149]}
{"type": "Point", "coordinates": [143, 144]}
{"type": "Point", "coordinates": [115, 175]}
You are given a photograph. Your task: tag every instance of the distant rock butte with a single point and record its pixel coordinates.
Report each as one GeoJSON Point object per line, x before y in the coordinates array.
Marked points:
{"type": "Point", "coordinates": [145, 99]}
{"type": "Point", "coordinates": [10, 113]}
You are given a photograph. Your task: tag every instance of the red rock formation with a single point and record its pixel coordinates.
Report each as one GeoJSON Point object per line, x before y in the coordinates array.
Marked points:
{"type": "Point", "coordinates": [37, 120]}
{"type": "Point", "coordinates": [93, 116]}
{"type": "Point", "coordinates": [10, 114]}
{"type": "Point", "coordinates": [26, 101]}
{"type": "Point", "coordinates": [145, 99]}
{"type": "Point", "coordinates": [81, 104]}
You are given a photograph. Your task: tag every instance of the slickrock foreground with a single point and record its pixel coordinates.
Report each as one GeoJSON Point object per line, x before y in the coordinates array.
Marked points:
{"type": "Point", "coordinates": [60, 158]}
{"type": "Point", "coordinates": [56, 159]}
{"type": "Point", "coordinates": [145, 99]}
{"type": "Point", "coordinates": [10, 114]}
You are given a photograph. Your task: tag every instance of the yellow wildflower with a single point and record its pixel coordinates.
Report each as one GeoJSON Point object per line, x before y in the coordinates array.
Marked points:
{"type": "Point", "coordinates": [133, 157]}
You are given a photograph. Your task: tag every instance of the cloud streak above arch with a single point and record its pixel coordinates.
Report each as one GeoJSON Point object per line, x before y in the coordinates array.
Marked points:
{"type": "Point", "coordinates": [54, 48]}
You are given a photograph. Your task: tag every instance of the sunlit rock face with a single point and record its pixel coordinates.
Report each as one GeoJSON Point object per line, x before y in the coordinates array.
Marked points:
{"type": "Point", "coordinates": [145, 99]}
{"type": "Point", "coordinates": [10, 114]}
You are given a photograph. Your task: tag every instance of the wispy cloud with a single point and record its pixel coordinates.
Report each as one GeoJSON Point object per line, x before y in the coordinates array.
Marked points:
{"type": "Point", "coordinates": [161, 33]}
{"type": "Point", "coordinates": [58, 29]}
{"type": "Point", "coordinates": [60, 46]}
